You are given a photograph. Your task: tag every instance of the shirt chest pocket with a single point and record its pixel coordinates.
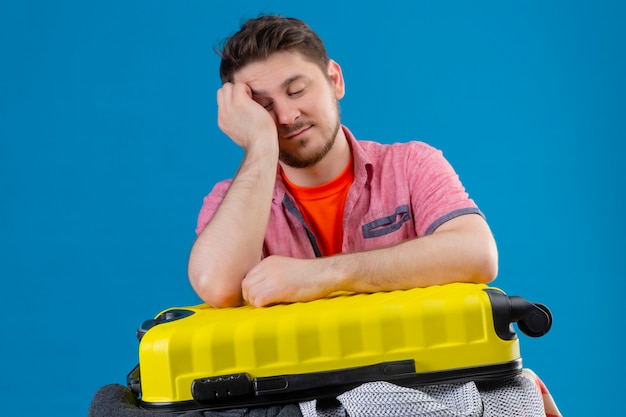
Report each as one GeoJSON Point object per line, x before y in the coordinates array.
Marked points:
{"type": "Point", "coordinates": [387, 224]}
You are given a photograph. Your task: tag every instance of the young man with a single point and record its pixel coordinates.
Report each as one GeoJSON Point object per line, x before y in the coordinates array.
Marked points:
{"type": "Point", "coordinates": [311, 209]}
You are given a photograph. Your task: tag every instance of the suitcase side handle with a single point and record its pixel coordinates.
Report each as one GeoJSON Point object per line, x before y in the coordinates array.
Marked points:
{"type": "Point", "coordinates": [243, 390]}
{"type": "Point", "coordinates": [242, 387]}
{"type": "Point", "coordinates": [533, 319]}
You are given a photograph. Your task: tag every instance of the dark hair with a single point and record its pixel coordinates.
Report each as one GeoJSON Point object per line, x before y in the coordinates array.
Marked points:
{"type": "Point", "coordinates": [262, 36]}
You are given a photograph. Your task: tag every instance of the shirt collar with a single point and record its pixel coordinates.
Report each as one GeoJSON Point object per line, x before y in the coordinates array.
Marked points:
{"type": "Point", "coordinates": [362, 166]}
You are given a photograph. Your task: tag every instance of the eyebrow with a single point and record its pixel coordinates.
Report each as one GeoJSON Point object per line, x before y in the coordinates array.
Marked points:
{"type": "Point", "coordinates": [284, 84]}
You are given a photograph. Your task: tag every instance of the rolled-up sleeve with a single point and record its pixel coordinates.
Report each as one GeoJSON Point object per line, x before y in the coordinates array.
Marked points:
{"type": "Point", "coordinates": [210, 204]}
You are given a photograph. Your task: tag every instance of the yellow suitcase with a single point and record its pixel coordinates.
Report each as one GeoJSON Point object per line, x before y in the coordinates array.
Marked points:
{"type": "Point", "coordinates": [201, 357]}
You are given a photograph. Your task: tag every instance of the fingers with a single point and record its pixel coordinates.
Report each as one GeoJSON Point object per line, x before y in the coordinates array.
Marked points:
{"type": "Point", "coordinates": [263, 284]}
{"type": "Point", "coordinates": [279, 279]}
{"type": "Point", "coordinates": [230, 93]}
{"type": "Point", "coordinates": [254, 288]}
{"type": "Point", "coordinates": [241, 118]}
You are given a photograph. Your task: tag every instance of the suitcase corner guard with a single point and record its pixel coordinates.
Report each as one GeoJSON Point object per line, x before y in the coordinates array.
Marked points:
{"type": "Point", "coordinates": [533, 319]}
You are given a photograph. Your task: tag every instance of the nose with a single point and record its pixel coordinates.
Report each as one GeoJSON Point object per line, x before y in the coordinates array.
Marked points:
{"type": "Point", "coordinates": [286, 112]}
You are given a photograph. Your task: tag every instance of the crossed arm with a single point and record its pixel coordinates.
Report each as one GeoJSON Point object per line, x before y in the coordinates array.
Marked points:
{"type": "Point", "coordinates": [461, 250]}
{"type": "Point", "coordinates": [226, 268]}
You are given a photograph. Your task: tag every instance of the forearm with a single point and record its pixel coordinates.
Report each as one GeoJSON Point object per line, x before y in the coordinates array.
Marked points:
{"type": "Point", "coordinates": [461, 250]}
{"type": "Point", "coordinates": [231, 243]}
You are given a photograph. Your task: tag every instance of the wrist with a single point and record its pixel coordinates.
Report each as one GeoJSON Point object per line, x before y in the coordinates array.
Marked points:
{"type": "Point", "coordinates": [337, 275]}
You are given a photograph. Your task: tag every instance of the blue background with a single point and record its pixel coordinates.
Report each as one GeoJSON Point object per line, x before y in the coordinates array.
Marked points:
{"type": "Point", "coordinates": [108, 142]}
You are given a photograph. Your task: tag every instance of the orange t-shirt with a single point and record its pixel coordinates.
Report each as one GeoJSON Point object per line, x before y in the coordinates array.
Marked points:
{"type": "Point", "coordinates": [322, 209]}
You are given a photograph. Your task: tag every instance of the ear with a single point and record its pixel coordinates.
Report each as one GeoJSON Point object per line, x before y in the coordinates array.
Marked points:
{"type": "Point", "coordinates": [336, 79]}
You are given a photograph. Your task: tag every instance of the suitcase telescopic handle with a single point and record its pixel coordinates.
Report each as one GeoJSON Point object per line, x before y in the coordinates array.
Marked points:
{"type": "Point", "coordinates": [533, 319]}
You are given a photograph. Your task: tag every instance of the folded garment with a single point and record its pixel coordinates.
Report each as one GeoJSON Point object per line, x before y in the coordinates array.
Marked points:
{"type": "Point", "coordinates": [513, 397]}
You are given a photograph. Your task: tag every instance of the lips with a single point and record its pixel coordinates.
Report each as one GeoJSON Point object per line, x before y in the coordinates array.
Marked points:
{"type": "Point", "coordinates": [295, 134]}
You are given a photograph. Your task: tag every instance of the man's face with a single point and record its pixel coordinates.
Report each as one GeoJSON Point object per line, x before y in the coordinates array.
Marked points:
{"type": "Point", "coordinates": [302, 99]}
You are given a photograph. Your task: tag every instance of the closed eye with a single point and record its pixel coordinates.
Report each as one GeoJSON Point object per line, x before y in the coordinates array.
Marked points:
{"type": "Point", "coordinates": [296, 93]}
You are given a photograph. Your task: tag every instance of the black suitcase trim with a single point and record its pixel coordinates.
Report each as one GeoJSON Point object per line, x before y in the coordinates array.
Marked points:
{"type": "Point", "coordinates": [240, 390]}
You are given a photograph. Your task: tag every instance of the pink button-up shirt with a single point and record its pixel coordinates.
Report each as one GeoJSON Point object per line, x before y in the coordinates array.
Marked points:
{"type": "Point", "coordinates": [400, 191]}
